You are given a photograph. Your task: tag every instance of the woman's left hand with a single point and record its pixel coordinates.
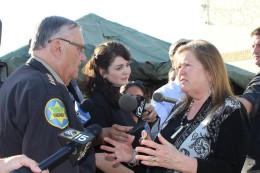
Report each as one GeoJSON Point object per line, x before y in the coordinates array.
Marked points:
{"type": "Point", "coordinates": [161, 155]}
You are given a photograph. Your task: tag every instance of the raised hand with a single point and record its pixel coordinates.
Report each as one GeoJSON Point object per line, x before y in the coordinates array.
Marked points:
{"type": "Point", "coordinates": [120, 152]}
{"type": "Point", "coordinates": [161, 155]}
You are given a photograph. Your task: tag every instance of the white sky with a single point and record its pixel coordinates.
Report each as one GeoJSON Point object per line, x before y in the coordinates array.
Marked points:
{"type": "Point", "coordinates": [168, 20]}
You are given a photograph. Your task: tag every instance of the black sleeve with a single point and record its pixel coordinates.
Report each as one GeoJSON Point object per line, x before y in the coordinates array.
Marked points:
{"type": "Point", "coordinates": [253, 90]}
{"type": "Point", "coordinates": [100, 114]}
{"type": "Point", "coordinates": [231, 148]}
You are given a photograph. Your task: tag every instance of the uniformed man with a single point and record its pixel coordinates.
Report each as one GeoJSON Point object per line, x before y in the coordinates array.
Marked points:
{"type": "Point", "coordinates": [35, 103]}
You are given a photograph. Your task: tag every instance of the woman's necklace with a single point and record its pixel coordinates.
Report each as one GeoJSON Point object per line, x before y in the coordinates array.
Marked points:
{"type": "Point", "coordinates": [182, 121]}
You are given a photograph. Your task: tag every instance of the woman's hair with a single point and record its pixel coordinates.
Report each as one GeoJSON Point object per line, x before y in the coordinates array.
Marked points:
{"type": "Point", "coordinates": [210, 58]}
{"type": "Point", "coordinates": [130, 84]}
{"type": "Point", "coordinates": [49, 28]}
{"type": "Point", "coordinates": [103, 56]}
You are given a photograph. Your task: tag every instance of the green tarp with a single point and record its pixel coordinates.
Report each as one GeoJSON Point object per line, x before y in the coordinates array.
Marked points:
{"type": "Point", "coordinates": [150, 55]}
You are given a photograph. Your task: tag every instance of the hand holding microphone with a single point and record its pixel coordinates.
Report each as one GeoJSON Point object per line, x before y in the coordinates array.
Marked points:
{"type": "Point", "coordinates": [144, 112]}
{"type": "Point", "coordinates": [149, 113]}
{"type": "Point", "coordinates": [138, 106]}
{"type": "Point", "coordinates": [76, 144]}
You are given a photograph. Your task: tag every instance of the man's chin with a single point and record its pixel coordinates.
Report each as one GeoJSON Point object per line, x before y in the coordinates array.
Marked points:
{"type": "Point", "coordinates": [257, 63]}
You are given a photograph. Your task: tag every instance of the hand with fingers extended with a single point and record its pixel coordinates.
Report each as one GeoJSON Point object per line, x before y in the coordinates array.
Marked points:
{"type": "Point", "coordinates": [162, 155]}
{"type": "Point", "coordinates": [120, 152]}
{"type": "Point", "coordinates": [120, 133]}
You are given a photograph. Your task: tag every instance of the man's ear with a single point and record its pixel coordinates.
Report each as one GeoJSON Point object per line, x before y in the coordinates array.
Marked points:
{"type": "Point", "coordinates": [55, 47]}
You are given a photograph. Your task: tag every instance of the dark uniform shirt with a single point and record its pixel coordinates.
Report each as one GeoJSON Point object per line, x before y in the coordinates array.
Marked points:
{"type": "Point", "coordinates": [34, 109]}
{"type": "Point", "coordinates": [252, 94]}
{"type": "Point", "coordinates": [252, 91]}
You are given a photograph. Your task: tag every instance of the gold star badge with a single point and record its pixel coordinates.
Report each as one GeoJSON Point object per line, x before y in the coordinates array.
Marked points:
{"type": "Point", "coordinates": [58, 112]}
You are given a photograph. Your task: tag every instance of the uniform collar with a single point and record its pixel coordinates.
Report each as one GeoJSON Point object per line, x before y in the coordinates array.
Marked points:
{"type": "Point", "coordinates": [54, 74]}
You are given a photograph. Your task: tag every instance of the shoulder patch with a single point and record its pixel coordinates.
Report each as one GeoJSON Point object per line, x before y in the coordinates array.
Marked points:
{"type": "Point", "coordinates": [55, 113]}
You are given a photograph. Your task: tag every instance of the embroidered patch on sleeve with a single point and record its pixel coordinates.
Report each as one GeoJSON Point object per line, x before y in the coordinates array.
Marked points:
{"type": "Point", "coordinates": [55, 113]}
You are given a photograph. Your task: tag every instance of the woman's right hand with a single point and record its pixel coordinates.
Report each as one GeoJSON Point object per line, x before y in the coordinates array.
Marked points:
{"type": "Point", "coordinates": [121, 152]}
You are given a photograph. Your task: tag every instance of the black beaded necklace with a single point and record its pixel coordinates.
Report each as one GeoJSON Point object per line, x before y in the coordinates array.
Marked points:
{"type": "Point", "coordinates": [182, 121]}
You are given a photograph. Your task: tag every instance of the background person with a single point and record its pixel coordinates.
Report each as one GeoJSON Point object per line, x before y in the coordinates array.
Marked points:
{"type": "Point", "coordinates": [106, 71]}
{"type": "Point", "coordinates": [172, 89]}
{"type": "Point", "coordinates": [207, 130]}
{"type": "Point", "coordinates": [134, 88]}
{"type": "Point", "coordinates": [251, 99]}
{"type": "Point", "coordinates": [35, 103]}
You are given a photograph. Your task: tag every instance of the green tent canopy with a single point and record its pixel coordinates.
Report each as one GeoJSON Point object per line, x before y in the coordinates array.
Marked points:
{"type": "Point", "coordinates": [150, 55]}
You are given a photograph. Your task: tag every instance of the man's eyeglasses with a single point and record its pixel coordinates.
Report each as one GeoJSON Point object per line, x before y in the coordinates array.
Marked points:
{"type": "Point", "coordinates": [82, 48]}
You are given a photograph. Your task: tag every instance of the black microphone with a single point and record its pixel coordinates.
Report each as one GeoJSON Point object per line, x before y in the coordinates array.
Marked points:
{"type": "Point", "coordinates": [159, 97]}
{"type": "Point", "coordinates": [83, 109]}
{"type": "Point", "coordinates": [76, 144]}
{"type": "Point", "coordinates": [135, 105]}
{"type": "Point", "coordinates": [128, 102]}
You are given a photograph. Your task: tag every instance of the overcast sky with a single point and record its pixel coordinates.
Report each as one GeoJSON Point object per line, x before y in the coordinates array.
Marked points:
{"type": "Point", "coordinates": [165, 19]}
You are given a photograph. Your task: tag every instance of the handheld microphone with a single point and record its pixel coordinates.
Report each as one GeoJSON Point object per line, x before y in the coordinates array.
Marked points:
{"type": "Point", "coordinates": [76, 144]}
{"type": "Point", "coordinates": [135, 105]}
{"type": "Point", "coordinates": [159, 97]}
{"type": "Point", "coordinates": [141, 101]}
{"type": "Point", "coordinates": [128, 102]}
{"type": "Point", "coordinates": [83, 109]}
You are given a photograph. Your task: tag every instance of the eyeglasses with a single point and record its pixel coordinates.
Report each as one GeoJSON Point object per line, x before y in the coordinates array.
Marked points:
{"type": "Point", "coordinates": [82, 48]}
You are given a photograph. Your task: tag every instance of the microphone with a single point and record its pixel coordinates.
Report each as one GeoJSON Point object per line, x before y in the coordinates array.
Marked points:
{"type": "Point", "coordinates": [76, 144]}
{"type": "Point", "coordinates": [83, 109]}
{"type": "Point", "coordinates": [135, 105]}
{"type": "Point", "coordinates": [159, 97]}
